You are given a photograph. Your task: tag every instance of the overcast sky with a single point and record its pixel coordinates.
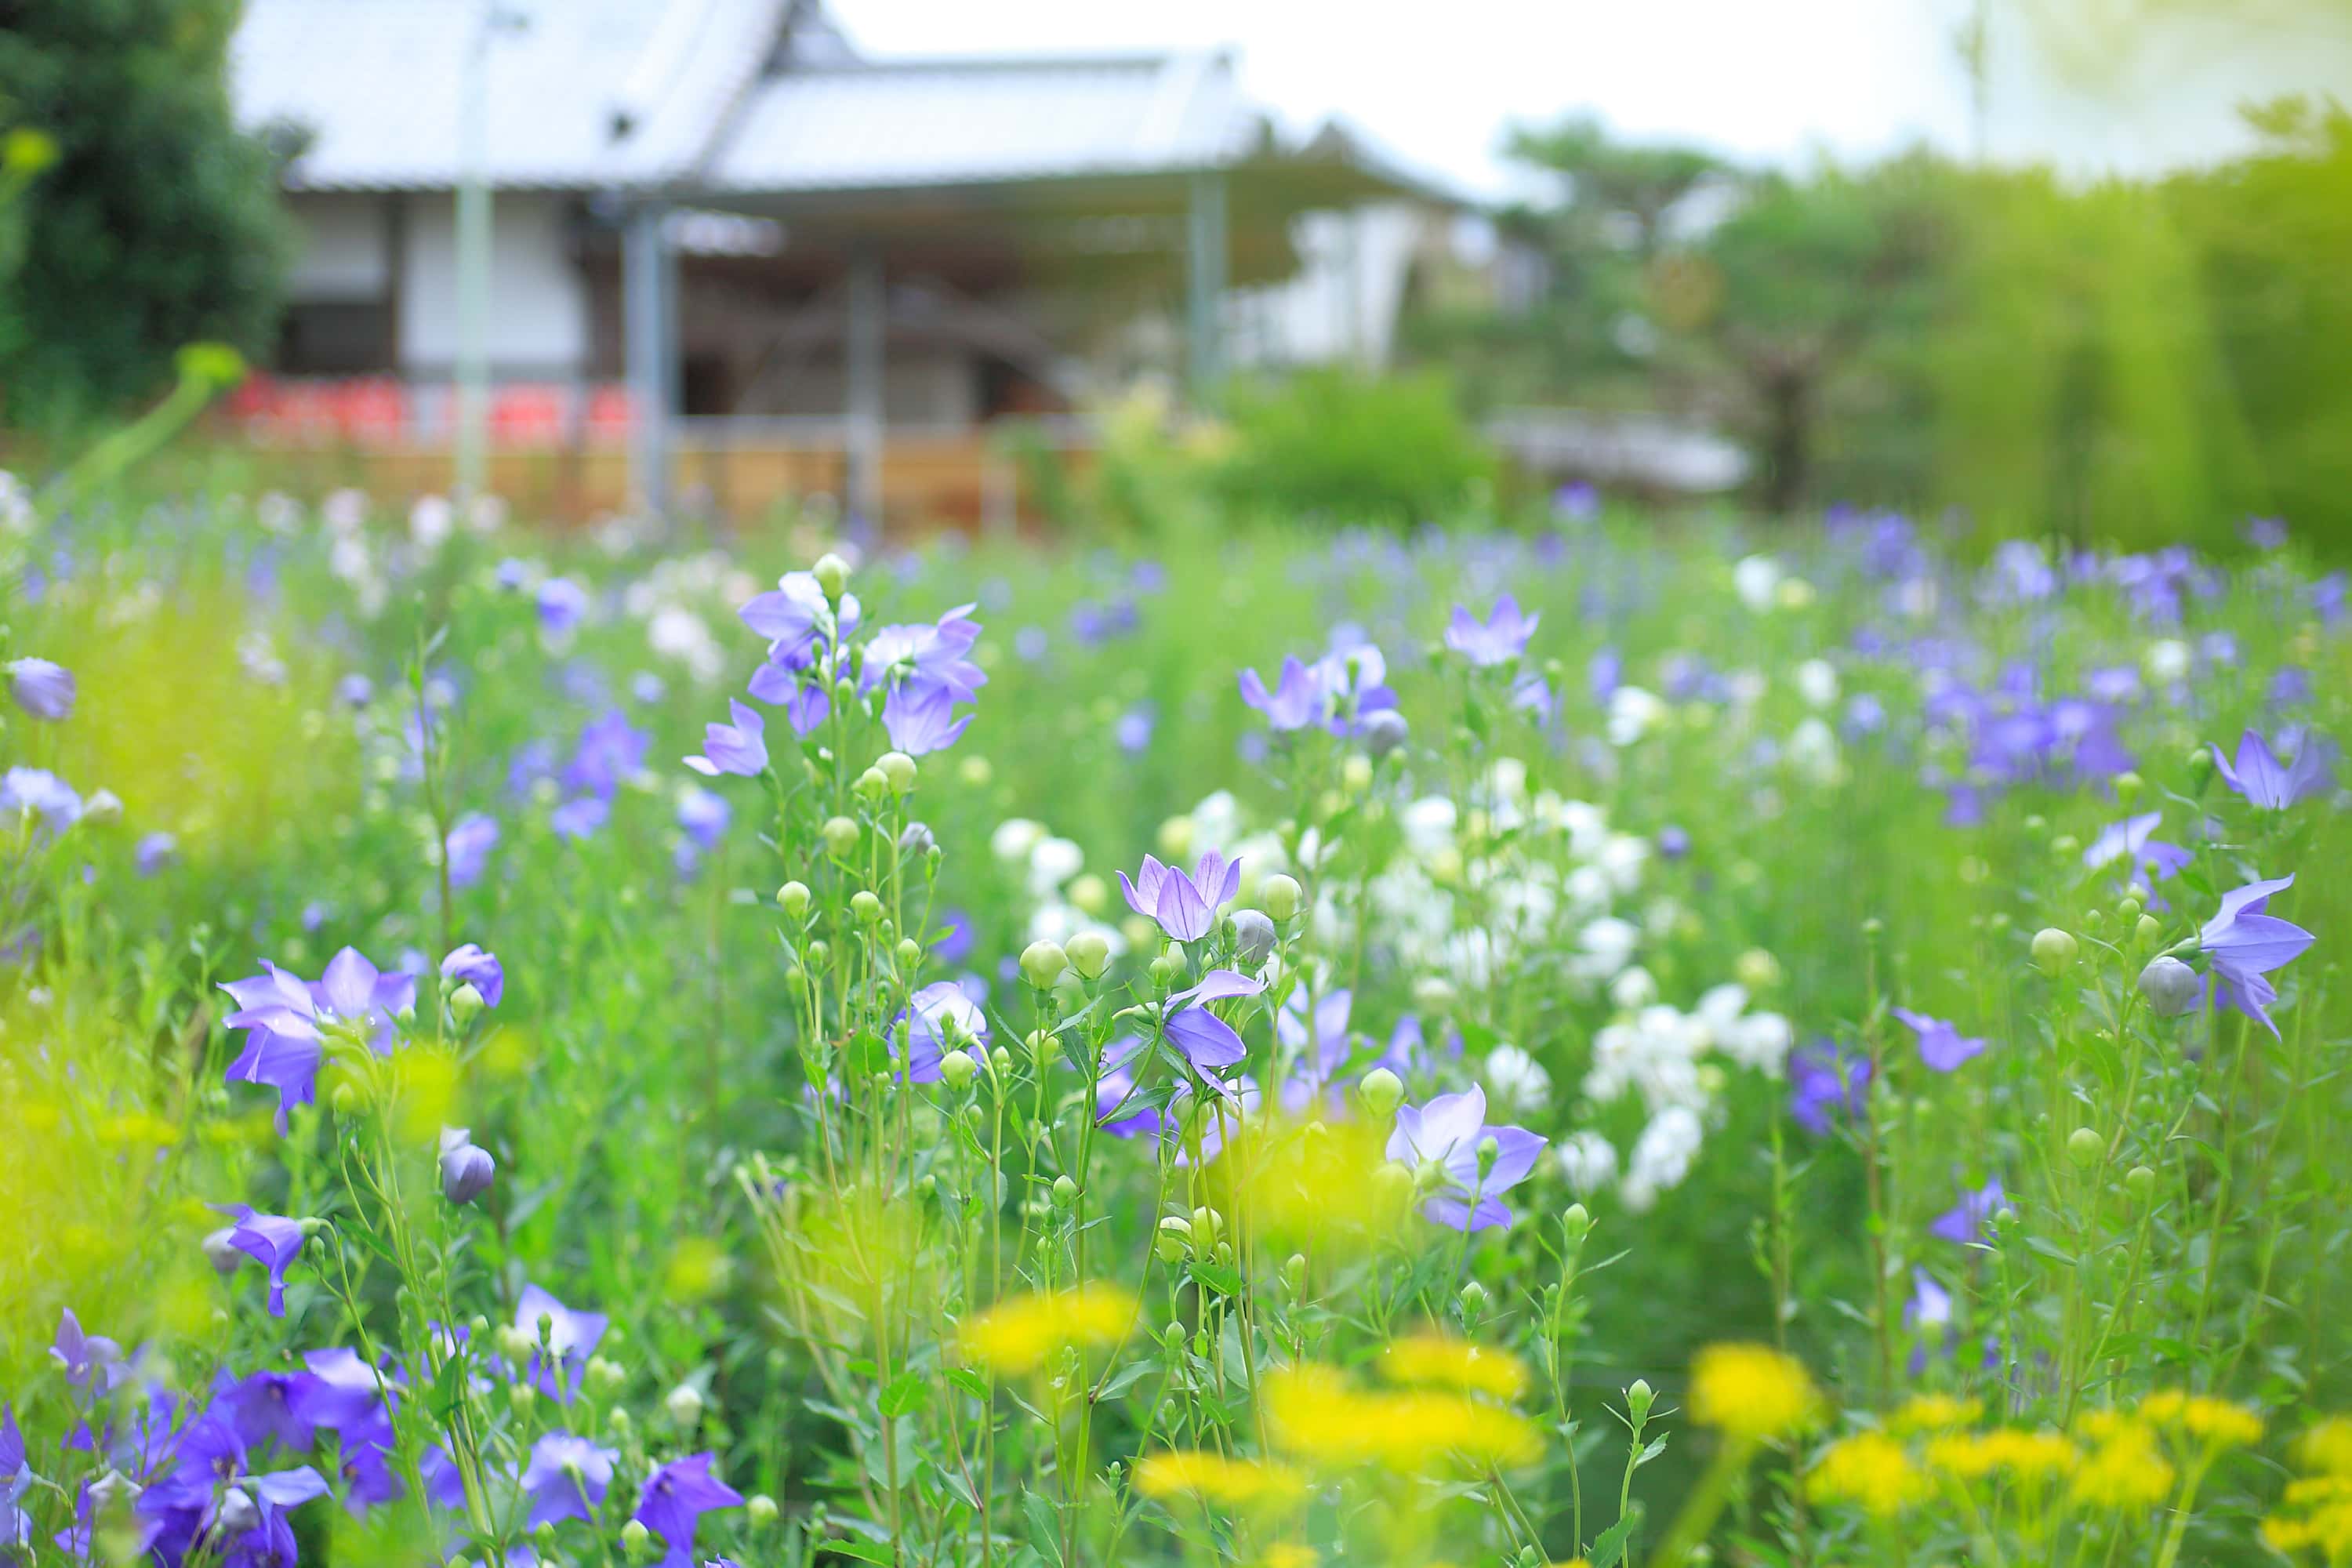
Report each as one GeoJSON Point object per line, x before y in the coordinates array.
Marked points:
{"type": "Point", "coordinates": [1765, 79]}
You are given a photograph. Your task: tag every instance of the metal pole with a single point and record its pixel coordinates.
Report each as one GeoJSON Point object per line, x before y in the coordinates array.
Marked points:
{"type": "Point", "coordinates": [1205, 278]}
{"type": "Point", "coordinates": [473, 244]}
{"type": "Point", "coordinates": [649, 326]}
{"type": "Point", "coordinates": [863, 416]}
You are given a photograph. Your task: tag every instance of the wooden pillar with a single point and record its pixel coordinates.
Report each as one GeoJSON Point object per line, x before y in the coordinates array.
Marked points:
{"type": "Point", "coordinates": [863, 417]}
{"type": "Point", "coordinates": [1206, 244]}
{"type": "Point", "coordinates": [649, 333]}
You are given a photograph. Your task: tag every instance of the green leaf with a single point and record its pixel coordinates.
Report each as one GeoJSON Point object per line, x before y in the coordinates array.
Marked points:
{"type": "Point", "coordinates": [863, 1551]}
{"type": "Point", "coordinates": [1223, 1278]}
{"type": "Point", "coordinates": [1044, 1528]}
{"type": "Point", "coordinates": [1125, 1377]}
{"type": "Point", "coordinates": [1618, 1539]}
{"type": "Point", "coordinates": [970, 1382]}
{"type": "Point", "coordinates": [865, 1055]}
{"type": "Point", "coordinates": [908, 1391]}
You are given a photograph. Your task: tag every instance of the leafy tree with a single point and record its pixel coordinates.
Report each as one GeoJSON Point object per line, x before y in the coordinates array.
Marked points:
{"type": "Point", "coordinates": [157, 225]}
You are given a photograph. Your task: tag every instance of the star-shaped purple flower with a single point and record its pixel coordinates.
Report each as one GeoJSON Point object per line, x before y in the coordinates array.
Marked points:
{"type": "Point", "coordinates": [1971, 1219]}
{"type": "Point", "coordinates": [1184, 906]}
{"type": "Point", "coordinates": [2266, 782]}
{"type": "Point", "coordinates": [1451, 1130]}
{"type": "Point", "coordinates": [566, 1477]}
{"type": "Point", "coordinates": [739, 748]}
{"type": "Point", "coordinates": [940, 1018]}
{"type": "Point", "coordinates": [469, 966]}
{"type": "Point", "coordinates": [2129, 840]}
{"type": "Point", "coordinates": [674, 1500]}
{"type": "Point", "coordinates": [1207, 1041]}
{"type": "Point", "coordinates": [1501, 637]}
{"type": "Point", "coordinates": [1295, 701]}
{"type": "Point", "coordinates": [271, 1240]}
{"type": "Point", "coordinates": [1941, 1045]}
{"type": "Point", "coordinates": [571, 1338]}
{"type": "Point", "coordinates": [919, 716]}
{"type": "Point", "coordinates": [2245, 944]}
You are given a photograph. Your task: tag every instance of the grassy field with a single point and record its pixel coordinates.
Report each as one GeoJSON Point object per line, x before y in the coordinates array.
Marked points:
{"type": "Point", "coordinates": [1601, 1040]}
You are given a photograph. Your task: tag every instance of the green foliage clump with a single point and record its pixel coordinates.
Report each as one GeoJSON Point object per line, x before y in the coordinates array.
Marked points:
{"type": "Point", "coordinates": [157, 224]}
{"type": "Point", "coordinates": [1351, 447]}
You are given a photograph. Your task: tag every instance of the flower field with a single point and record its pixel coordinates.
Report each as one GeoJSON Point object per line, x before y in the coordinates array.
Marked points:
{"type": "Point", "coordinates": [1598, 1039]}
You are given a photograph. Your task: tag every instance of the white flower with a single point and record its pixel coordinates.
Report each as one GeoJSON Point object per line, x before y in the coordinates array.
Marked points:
{"type": "Point", "coordinates": [1635, 989]}
{"type": "Point", "coordinates": [1813, 751]}
{"type": "Point", "coordinates": [1428, 825]}
{"type": "Point", "coordinates": [1661, 1155]}
{"type": "Point", "coordinates": [1589, 1160]}
{"type": "Point", "coordinates": [2166, 660]}
{"type": "Point", "coordinates": [1757, 580]}
{"type": "Point", "coordinates": [677, 632]}
{"type": "Point", "coordinates": [1817, 682]}
{"type": "Point", "coordinates": [344, 511]}
{"type": "Point", "coordinates": [1052, 862]}
{"type": "Point", "coordinates": [1605, 947]}
{"type": "Point", "coordinates": [1014, 837]}
{"type": "Point", "coordinates": [1632, 713]}
{"type": "Point", "coordinates": [431, 521]}
{"type": "Point", "coordinates": [1518, 1080]}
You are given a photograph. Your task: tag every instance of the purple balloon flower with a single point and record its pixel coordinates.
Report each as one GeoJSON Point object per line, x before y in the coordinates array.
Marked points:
{"type": "Point", "coordinates": [919, 716]}
{"type": "Point", "coordinates": [44, 690]}
{"type": "Point", "coordinates": [566, 1477]}
{"type": "Point", "coordinates": [1971, 1219]}
{"type": "Point", "coordinates": [467, 848]}
{"type": "Point", "coordinates": [91, 1361]}
{"type": "Point", "coordinates": [2246, 944]}
{"type": "Point", "coordinates": [1207, 1041]}
{"type": "Point", "coordinates": [285, 1018]}
{"type": "Point", "coordinates": [675, 1499]}
{"type": "Point", "coordinates": [43, 794]}
{"type": "Point", "coordinates": [2266, 782]}
{"type": "Point", "coordinates": [739, 748]}
{"type": "Point", "coordinates": [467, 1171]}
{"type": "Point", "coordinates": [1318, 1041]}
{"type": "Point", "coordinates": [271, 1240]}
{"type": "Point", "coordinates": [930, 655]}
{"type": "Point", "coordinates": [580, 817]}
{"type": "Point", "coordinates": [1477, 1164]}
{"type": "Point", "coordinates": [2129, 840]}
{"type": "Point", "coordinates": [1185, 907]}
{"type": "Point", "coordinates": [1501, 637]}
{"type": "Point", "coordinates": [571, 1338]}
{"type": "Point", "coordinates": [610, 750]}
{"type": "Point", "coordinates": [941, 1019]}
{"type": "Point", "coordinates": [1823, 1082]}
{"type": "Point", "coordinates": [1294, 701]}
{"type": "Point", "coordinates": [469, 966]}
{"type": "Point", "coordinates": [1116, 1083]}
{"type": "Point", "coordinates": [703, 815]}
{"type": "Point", "coordinates": [1941, 1047]}
{"type": "Point", "coordinates": [797, 621]}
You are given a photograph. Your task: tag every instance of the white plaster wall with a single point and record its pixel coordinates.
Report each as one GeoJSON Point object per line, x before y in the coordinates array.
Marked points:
{"type": "Point", "coordinates": [342, 252]}
{"type": "Point", "coordinates": [539, 304]}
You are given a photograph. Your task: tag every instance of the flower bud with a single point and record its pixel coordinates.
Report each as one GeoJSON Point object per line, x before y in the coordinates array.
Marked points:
{"type": "Point", "coordinates": [1392, 1185]}
{"type": "Point", "coordinates": [344, 1099]}
{"type": "Point", "coordinates": [761, 1510]}
{"type": "Point", "coordinates": [235, 1515]}
{"type": "Point", "coordinates": [865, 906]}
{"type": "Point", "coordinates": [840, 836]}
{"type": "Point", "coordinates": [832, 575]}
{"type": "Point", "coordinates": [222, 1252]}
{"type": "Point", "coordinates": [1207, 1222]}
{"type": "Point", "coordinates": [1383, 1092]}
{"type": "Point", "coordinates": [2140, 1183]}
{"type": "Point", "coordinates": [792, 898]}
{"type": "Point", "coordinates": [1172, 1240]}
{"type": "Point", "coordinates": [1168, 968]}
{"type": "Point", "coordinates": [909, 952]}
{"type": "Point", "coordinates": [2127, 786]}
{"type": "Point", "coordinates": [465, 1171]}
{"type": "Point", "coordinates": [1089, 953]}
{"type": "Point", "coordinates": [1639, 1397]}
{"type": "Point", "coordinates": [2084, 1147]}
{"type": "Point", "coordinates": [1472, 1297]}
{"type": "Point", "coordinates": [684, 1404]}
{"type": "Point", "coordinates": [1383, 732]}
{"type": "Point", "coordinates": [2128, 910]}
{"type": "Point", "coordinates": [1428, 1177]}
{"type": "Point", "coordinates": [2053, 950]}
{"type": "Point", "coordinates": [102, 807]}
{"type": "Point", "coordinates": [897, 770]}
{"type": "Point", "coordinates": [2200, 762]}
{"type": "Point", "coordinates": [1065, 1192]}
{"type": "Point", "coordinates": [1757, 969]}
{"type": "Point", "coordinates": [464, 1003]}
{"type": "Point", "coordinates": [1000, 1061]}
{"type": "Point", "coordinates": [1042, 963]}
{"type": "Point", "coordinates": [818, 954]}
{"type": "Point", "coordinates": [1434, 994]}
{"type": "Point", "coordinates": [2149, 931]}
{"type": "Point", "coordinates": [522, 1396]}
{"type": "Point", "coordinates": [870, 785]}
{"type": "Point", "coordinates": [1575, 1222]}
{"type": "Point", "coordinates": [1490, 1149]}
{"type": "Point", "coordinates": [2171, 986]}
{"type": "Point", "coordinates": [1254, 938]}
{"type": "Point", "coordinates": [1356, 775]}
{"type": "Point", "coordinates": [2065, 847]}
{"type": "Point", "coordinates": [512, 1342]}
{"type": "Point", "coordinates": [634, 1537]}
{"type": "Point", "coordinates": [1282, 896]}
{"type": "Point", "coordinates": [604, 1377]}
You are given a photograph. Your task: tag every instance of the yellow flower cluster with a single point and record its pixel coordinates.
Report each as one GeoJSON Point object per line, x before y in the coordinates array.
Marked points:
{"type": "Point", "coordinates": [1441, 1361]}
{"type": "Point", "coordinates": [1872, 1471]}
{"type": "Point", "coordinates": [1317, 1415]}
{"type": "Point", "coordinates": [2216, 1423]}
{"type": "Point", "coordinates": [2315, 1514]}
{"type": "Point", "coordinates": [1752, 1393]}
{"type": "Point", "coordinates": [1017, 1335]}
{"type": "Point", "coordinates": [1215, 1479]}
{"type": "Point", "coordinates": [1935, 1413]}
{"type": "Point", "coordinates": [2021, 1455]}
{"type": "Point", "coordinates": [2125, 1469]}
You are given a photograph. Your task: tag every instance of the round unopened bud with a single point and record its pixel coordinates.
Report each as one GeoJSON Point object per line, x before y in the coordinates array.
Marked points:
{"type": "Point", "coordinates": [840, 836]}
{"type": "Point", "coordinates": [792, 898]}
{"type": "Point", "coordinates": [1089, 953]}
{"type": "Point", "coordinates": [1392, 1185]}
{"type": "Point", "coordinates": [2200, 762]}
{"type": "Point", "coordinates": [522, 1396]}
{"type": "Point", "coordinates": [897, 770]}
{"type": "Point", "coordinates": [1356, 775]}
{"type": "Point", "coordinates": [999, 1060]}
{"type": "Point", "coordinates": [1173, 1239]}
{"type": "Point", "coordinates": [2128, 910]}
{"type": "Point", "coordinates": [1254, 938]}
{"type": "Point", "coordinates": [2065, 845]}
{"type": "Point", "coordinates": [818, 954]}
{"type": "Point", "coordinates": [1639, 1397]}
{"type": "Point", "coordinates": [832, 575]}
{"type": "Point", "coordinates": [1383, 1092]}
{"type": "Point", "coordinates": [467, 1171]}
{"type": "Point", "coordinates": [2139, 1181]}
{"type": "Point", "coordinates": [235, 1515]}
{"type": "Point", "coordinates": [761, 1509]}
{"type": "Point", "coordinates": [2054, 950]}
{"type": "Point", "coordinates": [1428, 1176]}
{"type": "Point", "coordinates": [684, 1404]}
{"type": "Point", "coordinates": [1575, 1222]}
{"type": "Point", "coordinates": [871, 785]}
{"type": "Point", "coordinates": [1168, 968]}
{"type": "Point", "coordinates": [1757, 969]}
{"type": "Point", "coordinates": [464, 1003]}
{"type": "Point", "coordinates": [2084, 1147]}
{"type": "Point", "coordinates": [1472, 1297]}
{"type": "Point", "coordinates": [1042, 963]}
{"type": "Point", "coordinates": [1434, 994]}
{"type": "Point", "coordinates": [222, 1252]}
{"type": "Point", "coordinates": [1383, 732]}
{"type": "Point", "coordinates": [1282, 895]}
{"type": "Point", "coordinates": [2171, 986]}
{"type": "Point", "coordinates": [103, 807]}
{"type": "Point", "coordinates": [512, 1342]}
{"type": "Point", "coordinates": [2149, 931]}
{"type": "Point", "coordinates": [604, 1377]}
{"type": "Point", "coordinates": [909, 951]}
{"type": "Point", "coordinates": [865, 906]}
{"type": "Point", "coordinates": [1065, 1192]}
{"type": "Point", "coordinates": [2127, 786]}
{"type": "Point", "coordinates": [344, 1099]}
{"type": "Point", "coordinates": [1207, 1222]}
{"type": "Point", "coordinates": [634, 1537]}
